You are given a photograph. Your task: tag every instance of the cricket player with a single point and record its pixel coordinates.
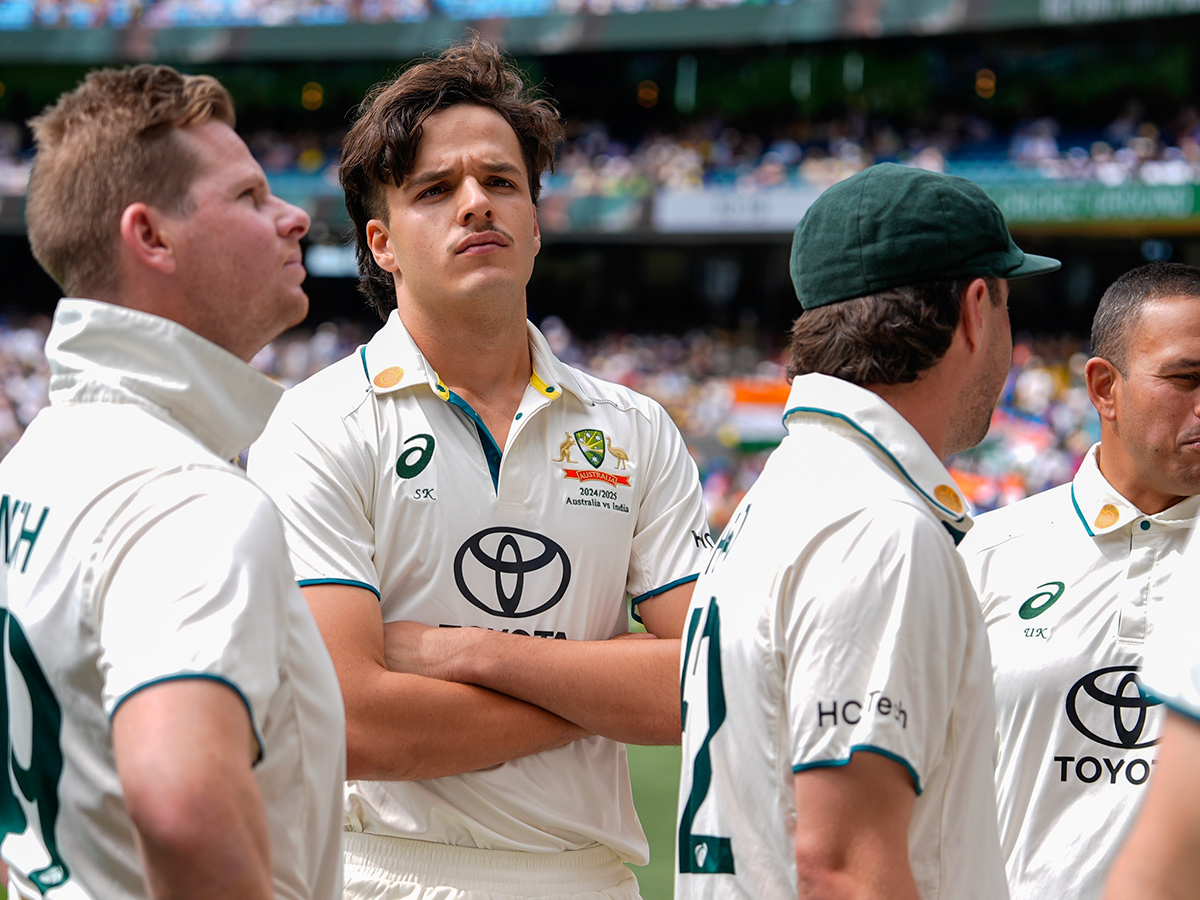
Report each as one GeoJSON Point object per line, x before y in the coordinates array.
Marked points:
{"type": "Point", "coordinates": [1072, 583]}
{"type": "Point", "coordinates": [497, 508]}
{"type": "Point", "coordinates": [173, 719]}
{"type": "Point", "coordinates": [838, 710]}
{"type": "Point", "coordinates": [1161, 858]}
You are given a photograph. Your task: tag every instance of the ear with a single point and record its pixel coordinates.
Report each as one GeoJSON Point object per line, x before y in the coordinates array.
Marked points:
{"type": "Point", "coordinates": [1103, 383]}
{"type": "Point", "coordinates": [972, 314]}
{"type": "Point", "coordinates": [146, 235]}
{"type": "Point", "coordinates": [537, 234]}
{"type": "Point", "coordinates": [379, 239]}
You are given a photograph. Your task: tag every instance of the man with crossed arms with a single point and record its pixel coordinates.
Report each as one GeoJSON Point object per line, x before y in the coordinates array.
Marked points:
{"type": "Point", "coordinates": [454, 473]}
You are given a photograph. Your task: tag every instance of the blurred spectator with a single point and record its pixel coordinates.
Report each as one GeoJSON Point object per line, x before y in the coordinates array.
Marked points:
{"type": "Point", "coordinates": [725, 390]}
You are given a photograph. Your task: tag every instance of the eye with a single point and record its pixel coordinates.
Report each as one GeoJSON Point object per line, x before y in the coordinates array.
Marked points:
{"type": "Point", "coordinates": [433, 191]}
{"type": "Point", "coordinates": [499, 181]}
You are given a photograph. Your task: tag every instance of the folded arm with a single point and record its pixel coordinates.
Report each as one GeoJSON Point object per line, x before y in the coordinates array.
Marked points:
{"type": "Point", "coordinates": [406, 727]}
{"type": "Point", "coordinates": [184, 752]}
{"type": "Point", "coordinates": [626, 690]}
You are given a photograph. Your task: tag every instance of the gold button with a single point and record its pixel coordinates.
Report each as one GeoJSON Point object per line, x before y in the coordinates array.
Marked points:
{"type": "Point", "coordinates": [389, 377]}
{"type": "Point", "coordinates": [1108, 515]}
{"type": "Point", "coordinates": [948, 497]}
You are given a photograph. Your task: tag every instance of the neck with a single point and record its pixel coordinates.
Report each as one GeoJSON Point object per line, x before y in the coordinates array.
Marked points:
{"type": "Point", "coordinates": [1118, 470]}
{"type": "Point", "coordinates": [479, 355]}
{"type": "Point", "coordinates": [913, 402]}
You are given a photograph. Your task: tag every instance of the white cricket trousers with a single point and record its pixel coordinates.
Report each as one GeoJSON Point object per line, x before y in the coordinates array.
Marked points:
{"type": "Point", "coordinates": [388, 868]}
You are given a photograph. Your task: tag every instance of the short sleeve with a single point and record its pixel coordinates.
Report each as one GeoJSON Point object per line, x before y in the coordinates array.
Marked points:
{"type": "Point", "coordinates": [875, 636]}
{"type": "Point", "coordinates": [319, 473]}
{"type": "Point", "coordinates": [671, 536]}
{"type": "Point", "coordinates": [192, 582]}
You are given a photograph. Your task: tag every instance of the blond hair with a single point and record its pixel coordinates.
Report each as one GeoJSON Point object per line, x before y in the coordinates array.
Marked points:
{"type": "Point", "coordinates": [109, 143]}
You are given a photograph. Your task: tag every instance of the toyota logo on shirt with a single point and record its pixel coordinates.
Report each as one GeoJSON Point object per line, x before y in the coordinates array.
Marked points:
{"type": "Point", "coordinates": [511, 573]}
{"type": "Point", "coordinates": [1108, 707]}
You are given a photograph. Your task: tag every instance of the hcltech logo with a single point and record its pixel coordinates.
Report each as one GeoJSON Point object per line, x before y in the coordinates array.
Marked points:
{"type": "Point", "coordinates": [511, 572]}
{"type": "Point", "coordinates": [1107, 706]}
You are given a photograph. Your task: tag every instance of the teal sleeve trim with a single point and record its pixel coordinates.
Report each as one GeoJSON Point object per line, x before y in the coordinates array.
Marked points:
{"type": "Point", "coordinates": [309, 582]}
{"type": "Point", "coordinates": [633, 604]}
{"type": "Point", "coordinates": [197, 676]}
{"type": "Point", "coordinates": [1079, 513]}
{"type": "Point", "coordinates": [1175, 706]}
{"type": "Point", "coordinates": [662, 590]}
{"type": "Point", "coordinates": [867, 748]}
{"type": "Point", "coordinates": [958, 517]}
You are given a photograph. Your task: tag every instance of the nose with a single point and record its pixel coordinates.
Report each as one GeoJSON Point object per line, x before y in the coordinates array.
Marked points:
{"type": "Point", "coordinates": [474, 202]}
{"type": "Point", "coordinates": [292, 221]}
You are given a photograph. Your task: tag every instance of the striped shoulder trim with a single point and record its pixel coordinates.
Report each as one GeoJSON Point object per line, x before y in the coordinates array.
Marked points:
{"type": "Point", "coordinates": [867, 748]}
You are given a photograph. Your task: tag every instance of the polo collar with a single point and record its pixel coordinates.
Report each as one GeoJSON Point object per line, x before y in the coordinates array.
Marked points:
{"type": "Point", "coordinates": [820, 399]}
{"type": "Point", "coordinates": [392, 361]}
{"type": "Point", "coordinates": [1103, 510]}
{"type": "Point", "coordinates": [102, 353]}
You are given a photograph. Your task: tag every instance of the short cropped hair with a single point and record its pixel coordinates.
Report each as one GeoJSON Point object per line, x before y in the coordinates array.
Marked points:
{"type": "Point", "coordinates": [1120, 308]}
{"type": "Point", "coordinates": [109, 143]}
{"type": "Point", "coordinates": [886, 338]}
{"type": "Point", "coordinates": [381, 147]}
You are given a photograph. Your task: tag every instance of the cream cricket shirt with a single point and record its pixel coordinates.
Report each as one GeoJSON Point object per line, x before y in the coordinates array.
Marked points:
{"type": "Point", "coordinates": [135, 553]}
{"type": "Point", "coordinates": [833, 617]}
{"type": "Point", "coordinates": [1072, 583]}
{"type": "Point", "coordinates": [1172, 673]}
{"type": "Point", "coordinates": [389, 481]}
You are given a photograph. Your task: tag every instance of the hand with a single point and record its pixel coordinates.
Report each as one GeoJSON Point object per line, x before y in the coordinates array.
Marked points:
{"type": "Point", "coordinates": [416, 649]}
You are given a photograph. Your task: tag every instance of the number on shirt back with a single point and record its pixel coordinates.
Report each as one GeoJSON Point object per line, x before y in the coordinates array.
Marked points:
{"type": "Point", "coordinates": [703, 854]}
{"type": "Point", "coordinates": [38, 784]}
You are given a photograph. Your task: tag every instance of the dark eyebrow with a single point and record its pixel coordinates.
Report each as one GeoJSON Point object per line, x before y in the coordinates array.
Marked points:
{"type": "Point", "coordinates": [425, 179]}
{"type": "Point", "coordinates": [1178, 365]}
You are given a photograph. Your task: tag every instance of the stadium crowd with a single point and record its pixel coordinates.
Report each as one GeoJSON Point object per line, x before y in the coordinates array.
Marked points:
{"type": "Point", "coordinates": [724, 390]}
{"type": "Point", "coordinates": [712, 153]}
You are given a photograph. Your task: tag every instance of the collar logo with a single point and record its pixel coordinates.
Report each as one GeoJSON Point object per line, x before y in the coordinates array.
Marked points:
{"type": "Point", "coordinates": [1108, 707]}
{"type": "Point", "coordinates": [1041, 601]}
{"type": "Point", "coordinates": [511, 573]}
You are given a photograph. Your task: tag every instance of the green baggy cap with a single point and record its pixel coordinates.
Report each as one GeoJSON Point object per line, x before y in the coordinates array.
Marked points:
{"type": "Point", "coordinates": [891, 225]}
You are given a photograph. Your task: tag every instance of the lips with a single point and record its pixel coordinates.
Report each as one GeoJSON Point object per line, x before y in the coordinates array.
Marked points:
{"type": "Point", "coordinates": [481, 239]}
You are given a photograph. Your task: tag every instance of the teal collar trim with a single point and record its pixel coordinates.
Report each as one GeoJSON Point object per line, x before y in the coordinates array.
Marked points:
{"type": "Point", "coordinates": [955, 534]}
{"type": "Point", "coordinates": [816, 410]}
{"type": "Point", "coordinates": [362, 354]}
{"type": "Point", "coordinates": [1079, 512]}
{"type": "Point", "coordinates": [491, 450]}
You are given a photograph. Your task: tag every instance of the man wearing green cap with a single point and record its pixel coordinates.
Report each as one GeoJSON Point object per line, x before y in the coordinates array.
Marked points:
{"type": "Point", "coordinates": [837, 693]}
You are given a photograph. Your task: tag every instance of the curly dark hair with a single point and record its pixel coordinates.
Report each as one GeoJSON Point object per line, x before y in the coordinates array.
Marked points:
{"type": "Point", "coordinates": [381, 147]}
{"type": "Point", "coordinates": [886, 338]}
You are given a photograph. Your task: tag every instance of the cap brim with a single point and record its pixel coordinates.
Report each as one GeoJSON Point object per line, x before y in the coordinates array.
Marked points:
{"type": "Point", "coordinates": [1034, 265]}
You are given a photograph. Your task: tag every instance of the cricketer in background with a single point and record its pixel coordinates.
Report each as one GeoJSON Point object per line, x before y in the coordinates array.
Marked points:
{"type": "Point", "coordinates": [1072, 582]}
{"type": "Point", "coordinates": [838, 717]}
